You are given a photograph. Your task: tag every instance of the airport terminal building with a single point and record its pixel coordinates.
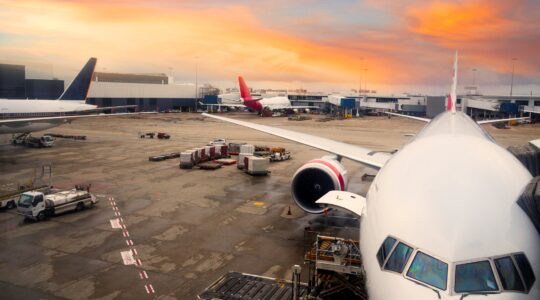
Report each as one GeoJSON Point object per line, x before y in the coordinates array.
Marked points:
{"type": "Point", "coordinates": [150, 92]}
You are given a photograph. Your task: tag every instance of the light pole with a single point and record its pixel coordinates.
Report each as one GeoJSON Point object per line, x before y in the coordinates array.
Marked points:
{"type": "Point", "coordinates": [196, 82]}
{"type": "Point", "coordinates": [512, 81]}
{"type": "Point", "coordinates": [365, 81]}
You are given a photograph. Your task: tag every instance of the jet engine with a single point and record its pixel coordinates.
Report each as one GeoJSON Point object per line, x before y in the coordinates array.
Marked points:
{"type": "Point", "coordinates": [316, 178]}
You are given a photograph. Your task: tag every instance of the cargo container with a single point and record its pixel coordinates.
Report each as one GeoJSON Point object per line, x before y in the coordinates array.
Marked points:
{"type": "Point", "coordinates": [196, 158]}
{"type": "Point", "coordinates": [186, 159]}
{"type": "Point", "coordinates": [241, 157]}
{"type": "Point", "coordinates": [223, 150]}
{"type": "Point", "coordinates": [234, 148]}
{"type": "Point", "coordinates": [202, 154]}
{"type": "Point", "coordinates": [254, 165]}
{"type": "Point", "coordinates": [247, 148]}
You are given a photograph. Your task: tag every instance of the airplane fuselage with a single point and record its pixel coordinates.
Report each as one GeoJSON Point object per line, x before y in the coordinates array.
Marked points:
{"type": "Point", "coordinates": [21, 109]}
{"type": "Point", "coordinates": [451, 194]}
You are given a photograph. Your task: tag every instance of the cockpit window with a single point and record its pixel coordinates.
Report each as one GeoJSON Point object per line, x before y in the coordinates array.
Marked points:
{"type": "Point", "coordinates": [475, 277]}
{"type": "Point", "coordinates": [526, 269]}
{"type": "Point", "coordinates": [508, 274]}
{"type": "Point", "coordinates": [429, 270]}
{"type": "Point", "coordinates": [385, 249]}
{"type": "Point", "coordinates": [398, 259]}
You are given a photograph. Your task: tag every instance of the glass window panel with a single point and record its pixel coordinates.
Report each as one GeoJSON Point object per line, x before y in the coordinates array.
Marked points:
{"type": "Point", "coordinates": [398, 259]}
{"type": "Point", "coordinates": [385, 249]}
{"type": "Point", "coordinates": [526, 269]}
{"type": "Point", "coordinates": [508, 274]}
{"type": "Point", "coordinates": [429, 270]}
{"type": "Point", "coordinates": [475, 277]}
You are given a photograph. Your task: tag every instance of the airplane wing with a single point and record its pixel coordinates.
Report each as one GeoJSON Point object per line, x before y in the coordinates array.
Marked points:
{"type": "Point", "coordinates": [410, 117]}
{"type": "Point", "coordinates": [66, 118]}
{"type": "Point", "coordinates": [500, 120]}
{"type": "Point", "coordinates": [362, 155]}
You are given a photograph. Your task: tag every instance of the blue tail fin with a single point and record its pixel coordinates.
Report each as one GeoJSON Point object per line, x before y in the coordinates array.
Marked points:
{"type": "Point", "coordinates": [78, 89]}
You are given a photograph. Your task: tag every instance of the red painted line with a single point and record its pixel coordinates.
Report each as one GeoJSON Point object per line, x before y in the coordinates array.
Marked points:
{"type": "Point", "coordinates": [129, 242]}
{"type": "Point", "coordinates": [143, 275]}
{"type": "Point", "coordinates": [139, 262]}
{"type": "Point", "coordinates": [125, 233]}
{"type": "Point", "coordinates": [149, 289]}
{"type": "Point", "coordinates": [122, 220]}
{"type": "Point", "coordinates": [134, 251]}
{"type": "Point", "coordinates": [117, 214]}
{"type": "Point", "coordinates": [123, 226]}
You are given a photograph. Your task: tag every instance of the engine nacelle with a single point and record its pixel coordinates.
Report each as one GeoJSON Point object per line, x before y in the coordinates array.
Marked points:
{"type": "Point", "coordinates": [316, 178]}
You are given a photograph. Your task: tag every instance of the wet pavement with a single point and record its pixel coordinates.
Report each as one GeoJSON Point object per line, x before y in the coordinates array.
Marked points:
{"type": "Point", "coordinates": [188, 227]}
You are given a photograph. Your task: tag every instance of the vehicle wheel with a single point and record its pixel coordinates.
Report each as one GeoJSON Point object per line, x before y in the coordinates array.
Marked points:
{"type": "Point", "coordinates": [80, 206]}
{"type": "Point", "coordinates": [41, 216]}
{"type": "Point", "coordinates": [11, 204]}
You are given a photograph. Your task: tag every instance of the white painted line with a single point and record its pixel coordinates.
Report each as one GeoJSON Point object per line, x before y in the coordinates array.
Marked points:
{"type": "Point", "coordinates": [129, 242]}
{"type": "Point", "coordinates": [125, 233]}
{"type": "Point", "coordinates": [134, 251]}
{"type": "Point", "coordinates": [121, 220]}
{"type": "Point", "coordinates": [138, 262]}
{"type": "Point", "coordinates": [143, 275]}
{"type": "Point", "coordinates": [127, 258]}
{"type": "Point", "coordinates": [117, 214]}
{"type": "Point", "coordinates": [123, 226]}
{"type": "Point", "coordinates": [149, 289]}
{"type": "Point", "coordinates": [115, 223]}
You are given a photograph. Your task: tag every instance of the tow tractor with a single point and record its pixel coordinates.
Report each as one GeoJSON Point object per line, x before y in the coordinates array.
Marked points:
{"type": "Point", "coordinates": [29, 140]}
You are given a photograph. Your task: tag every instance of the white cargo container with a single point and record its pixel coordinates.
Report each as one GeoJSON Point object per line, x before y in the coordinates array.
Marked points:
{"type": "Point", "coordinates": [195, 155]}
{"type": "Point", "coordinates": [247, 148]}
{"type": "Point", "coordinates": [255, 165]}
{"type": "Point", "coordinates": [37, 206]}
{"type": "Point", "coordinates": [241, 157]}
{"type": "Point", "coordinates": [187, 159]}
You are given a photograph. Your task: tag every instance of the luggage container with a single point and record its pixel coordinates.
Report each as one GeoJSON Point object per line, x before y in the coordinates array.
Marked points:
{"type": "Point", "coordinates": [207, 150]}
{"type": "Point", "coordinates": [196, 158]}
{"type": "Point", "coordinates": [212, 152]}
{"type": "Point", "coordinates": [247, 148]}
{"type": "Point", "coordinates": [254, 165]}
{"type": "Point", "coordinates": [186, 159]}
{"type": "Point", "coordinates": [234, 148]}
{"type": "Point", "coordinates": [202, 154]}
{"type": "Point", "coordinates": [241, 157]}
{"type": "Point", "coordinates": [224, 150]}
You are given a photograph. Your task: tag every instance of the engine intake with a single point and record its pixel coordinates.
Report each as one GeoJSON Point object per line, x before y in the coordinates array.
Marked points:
{"type": "Point", "coordinates": [316, 178]}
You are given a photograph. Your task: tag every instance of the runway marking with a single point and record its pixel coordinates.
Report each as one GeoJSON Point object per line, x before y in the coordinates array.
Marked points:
{"type": "Point", "coordinates": [115, 223]}
{"type": "Point", "coordinates": [130, 257]}
{"type": "Point", "coordinates": [149, 288]}
{"type": "Point", "coordinates": [143, 275]}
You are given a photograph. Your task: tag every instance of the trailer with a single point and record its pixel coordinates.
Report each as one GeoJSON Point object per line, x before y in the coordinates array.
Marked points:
{"type": "Point", "coordinates": [38, 206]}
{"type": "Point", "coordinates": [35, 142]}
{"type": "Point", "coordinates": [254, 165]}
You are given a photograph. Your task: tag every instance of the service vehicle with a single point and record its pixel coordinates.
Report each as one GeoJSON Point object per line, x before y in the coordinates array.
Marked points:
{"type": "Point", "coordinates": [37, 206]}
{"type": "Point", "coordinates": [9, 200]}
{"type": "Point", "coordinates": [36, 142]}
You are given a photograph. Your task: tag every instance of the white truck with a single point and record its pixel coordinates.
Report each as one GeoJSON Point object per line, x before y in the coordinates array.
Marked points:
{"type": "Point", "coordinates": [38, 206]}
{"type": "Point", "coordinates": [35, 142]}
{"type": "Point", "coordinates": [9, 200]}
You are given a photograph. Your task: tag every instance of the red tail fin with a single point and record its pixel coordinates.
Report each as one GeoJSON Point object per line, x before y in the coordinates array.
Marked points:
{"type": "Point", "coordinates": [244, 90]}
{"type": "Point", "coordinates": [449, 103]}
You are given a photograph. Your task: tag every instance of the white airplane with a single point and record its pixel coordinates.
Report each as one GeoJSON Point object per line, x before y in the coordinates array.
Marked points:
{"type": "Point", "coordinates": [441, 218]}
{"type": "Point", "coordinates": [26, 116]}
{"type": "Point", "coordinates": [261, 105]}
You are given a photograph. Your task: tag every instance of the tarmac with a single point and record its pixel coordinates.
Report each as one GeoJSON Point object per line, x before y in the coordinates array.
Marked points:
{"type": "Point", "coordinates": [186, 227]}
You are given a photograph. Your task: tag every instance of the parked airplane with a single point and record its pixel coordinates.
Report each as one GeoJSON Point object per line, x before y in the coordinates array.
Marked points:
{"type": "Point", "coordinates": [440, 220]}
{"type": "Point", "coordinates": [25, 116]}
{"type": "Point", "coordinates": [261, 105]}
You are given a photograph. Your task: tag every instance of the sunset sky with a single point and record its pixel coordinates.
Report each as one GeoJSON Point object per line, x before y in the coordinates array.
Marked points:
{"type": "Point", "coordinates": [406, 46]}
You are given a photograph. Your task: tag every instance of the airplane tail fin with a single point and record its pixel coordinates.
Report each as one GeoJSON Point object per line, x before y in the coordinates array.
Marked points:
{"type": "Point", "coordinates": [244, 90]}
{"type": "Point", "coordinates": [452, 98]}
{"type": "Point", "coordinates": [78, 88]}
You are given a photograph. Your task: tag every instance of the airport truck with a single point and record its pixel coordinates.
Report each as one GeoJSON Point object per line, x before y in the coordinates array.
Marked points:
{"type": "Point", "coordinates": [9, 200]}
{"type": "Point", "coordinates": [38, 206]}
